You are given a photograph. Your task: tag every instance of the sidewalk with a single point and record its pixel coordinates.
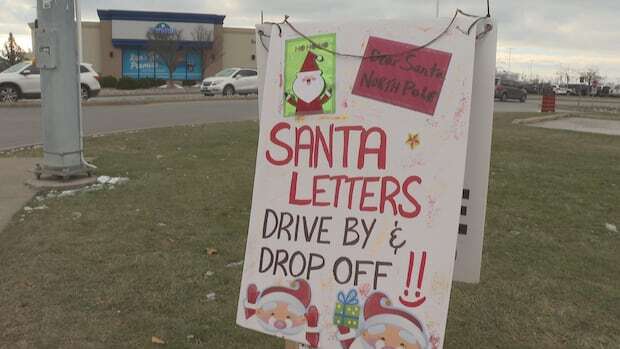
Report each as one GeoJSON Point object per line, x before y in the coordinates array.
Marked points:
{"type": "Point", "coordinates": [14, 194]}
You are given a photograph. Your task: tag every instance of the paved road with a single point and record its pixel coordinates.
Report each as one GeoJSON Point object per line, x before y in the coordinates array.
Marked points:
{"type": "Point", "coordinates": [531, 105]}
{"type": "Point", "coordinates": [564, 104]}
{"type": "Point", "coordinates": [22, 126]}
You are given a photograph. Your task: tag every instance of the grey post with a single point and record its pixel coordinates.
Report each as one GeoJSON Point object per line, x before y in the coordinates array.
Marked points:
{"type": "Point", "coordinates": [58, 55]}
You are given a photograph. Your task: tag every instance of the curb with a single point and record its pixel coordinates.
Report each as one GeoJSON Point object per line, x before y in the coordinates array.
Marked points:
{"type": "Point", "coordinates": [43, 185]}
{"type": "Point", "coordinates": [150, 99]}
{"type": "Point", "coordinates": [537, 119]}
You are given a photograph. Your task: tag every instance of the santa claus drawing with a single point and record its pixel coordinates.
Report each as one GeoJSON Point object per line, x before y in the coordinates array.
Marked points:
{"type": "Point", "coordinates": [285, 311]}
{"type": "Point", "coordinates": [309, 88]}
{"type": "Point", "coordinates": [384, 327]}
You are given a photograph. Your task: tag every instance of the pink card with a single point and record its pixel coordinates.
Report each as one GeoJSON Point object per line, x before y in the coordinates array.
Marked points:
{"type": "Point", "coordinates": [409, 79]}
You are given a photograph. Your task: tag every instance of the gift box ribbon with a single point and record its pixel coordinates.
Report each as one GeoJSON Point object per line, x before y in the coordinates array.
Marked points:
{"type": "Point", "coordinates": [348, 299]}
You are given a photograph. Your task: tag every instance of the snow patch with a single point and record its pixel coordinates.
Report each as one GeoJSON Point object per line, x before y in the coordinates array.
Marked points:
{"type": "Point", "coordinates": [112, 180]}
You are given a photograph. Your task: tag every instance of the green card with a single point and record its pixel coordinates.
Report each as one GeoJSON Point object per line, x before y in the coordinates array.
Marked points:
{"type": "Point", "coordinates": [310, 76]}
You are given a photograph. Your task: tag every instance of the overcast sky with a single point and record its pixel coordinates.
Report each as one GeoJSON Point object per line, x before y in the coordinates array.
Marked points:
{"type": "Point", "coordinates": [543, 36]}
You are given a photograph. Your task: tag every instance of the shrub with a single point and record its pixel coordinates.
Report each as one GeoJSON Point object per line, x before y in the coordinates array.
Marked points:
{"type": "Point", "coordinates": [150, 82]}
{"type": "Point", "coordinates": [127, 83]}
{"type": "Point", "coordinates": [109, 82]}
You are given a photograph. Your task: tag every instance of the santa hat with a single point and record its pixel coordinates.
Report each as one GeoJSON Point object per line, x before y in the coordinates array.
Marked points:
{"type": "Point", "coordinates": [310, 63]}
{"type": "Point", "coordinates": [296, 297]}
{"type": "Point", "coordinates": [378, 310]}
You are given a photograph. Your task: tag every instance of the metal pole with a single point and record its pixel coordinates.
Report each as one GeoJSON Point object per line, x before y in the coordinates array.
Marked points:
{"type": "Point", "coordinates": [57, 50]}
{"type": "Point", "coordinates": [437, 8]}
{"type": "Point", "coordinates": [509, 58]}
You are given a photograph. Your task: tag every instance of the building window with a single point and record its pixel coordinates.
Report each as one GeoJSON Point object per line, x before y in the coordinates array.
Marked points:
{"type": "Point", "coordinates": [139, 63]}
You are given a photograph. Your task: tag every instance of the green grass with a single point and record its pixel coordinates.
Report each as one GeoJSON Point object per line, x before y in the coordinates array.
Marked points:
{"type": "Point", "coordinates": [115, 276]}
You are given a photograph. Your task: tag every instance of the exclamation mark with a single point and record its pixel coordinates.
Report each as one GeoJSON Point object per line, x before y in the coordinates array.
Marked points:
{"type": "Point", "coordinates": [418, 299]}
{"type": "Point", "coordinates": [409, 273]}
{"type": "Point", "coordinates": [418, 292]}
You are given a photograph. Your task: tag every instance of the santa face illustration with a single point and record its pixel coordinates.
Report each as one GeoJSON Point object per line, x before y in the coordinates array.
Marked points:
{"type": "Point", "coordinates": [389, 337]}
{"type": "Point", "coordinates": [281, 317]}
{"type": "Point", "coordinates": [385, 327]}
{"type": "Point", "coordinates": [284, 310]}
{"type": "Point", "coordinates": [309, 88]}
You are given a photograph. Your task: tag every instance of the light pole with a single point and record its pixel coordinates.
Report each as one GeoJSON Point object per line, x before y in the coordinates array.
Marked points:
{"type": "Point", "coordinates": [509, 58]}
{"type": "Point", "coordinates": [57, 51]}
{"type": "Point", "coordinates": [437, 8]}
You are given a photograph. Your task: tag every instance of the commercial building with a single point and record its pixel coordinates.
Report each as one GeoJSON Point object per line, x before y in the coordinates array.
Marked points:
{"type": "Point", "coordinates": [117, 45]}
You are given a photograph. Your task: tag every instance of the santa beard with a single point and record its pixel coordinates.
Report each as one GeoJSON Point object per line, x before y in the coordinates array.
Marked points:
{"type": "Point", "coordinates": [360, 343]}
{"type": "Point", "coordinates": [309, 86]}
{"type": "Point", "coordinates": [287, 330]}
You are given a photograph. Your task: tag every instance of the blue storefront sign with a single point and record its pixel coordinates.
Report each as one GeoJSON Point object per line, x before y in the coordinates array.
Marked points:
{"type": "Point", "coordinates": [163, 28]}
{"type": "Point", "coordinates": [139, 63]}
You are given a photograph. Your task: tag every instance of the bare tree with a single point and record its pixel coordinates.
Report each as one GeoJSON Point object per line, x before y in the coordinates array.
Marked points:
{"type": "Point", "coordinates": [589, 77]}
{"type": "Point", "coordinates": [165, 45]}
{"type": "Point", "coordinates": [202, 36]}
{"type": "Point", "coordinates": [563, 75]}
{"type": "Point", "coordinates": [12, 52]}
{"type": "Point", "coordinates": [4, 64]}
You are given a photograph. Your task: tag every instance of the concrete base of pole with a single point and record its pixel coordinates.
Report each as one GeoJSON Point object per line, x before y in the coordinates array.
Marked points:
{"type": "Point", "coordinates": [65, 172]}
{"type": "Point", "coordinates": [57, 183]}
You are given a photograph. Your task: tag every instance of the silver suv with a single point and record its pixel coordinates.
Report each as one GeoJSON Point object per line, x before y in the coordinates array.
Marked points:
{"type": "Point", "coordinates": [23, 80]}
{"type": "Point", "coordinates": [231, 81]}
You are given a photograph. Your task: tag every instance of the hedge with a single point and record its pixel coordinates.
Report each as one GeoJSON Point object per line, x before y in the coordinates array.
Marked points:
{"type": "Point", "coordinates": [127, 83]}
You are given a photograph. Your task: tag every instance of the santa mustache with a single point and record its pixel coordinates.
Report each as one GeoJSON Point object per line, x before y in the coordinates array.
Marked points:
{"type": "Point", "coordinates": [280, 324]}
{"type": "Point", "coordinates": [380, 344]}
{"type": "Point", "coordinates": [274, 325]}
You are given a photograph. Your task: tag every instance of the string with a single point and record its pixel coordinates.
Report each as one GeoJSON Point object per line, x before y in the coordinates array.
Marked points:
{"type": "Point", "coordinates": [262, 34]}
{"type": "Point", "coordinates": [383, 55]}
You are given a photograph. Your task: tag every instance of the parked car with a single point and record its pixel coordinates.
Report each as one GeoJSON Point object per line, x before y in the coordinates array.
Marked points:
{"type": "Point", "coordinates": [23, 80]}
{"type": "Point", "coordinates": [231, 81]}
{"type": "Point", "coordinates": [615, 91]}
{"type": "Point", "coordinates": [509, 89]}
{"type": "Point", "coordinates": [561, 91]}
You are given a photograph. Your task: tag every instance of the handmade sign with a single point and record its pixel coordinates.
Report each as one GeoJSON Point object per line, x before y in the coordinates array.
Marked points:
{"type": "Point", "coordinates": [473, 205]}
{"type": "Point", "coordinates": [352, 234]}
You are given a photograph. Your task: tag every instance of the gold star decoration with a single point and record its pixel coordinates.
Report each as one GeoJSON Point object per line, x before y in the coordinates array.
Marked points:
{"type": "Point", "coordinates": [413, 140]}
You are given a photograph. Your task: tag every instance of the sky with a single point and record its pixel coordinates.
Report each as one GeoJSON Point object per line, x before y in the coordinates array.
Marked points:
{"type": "Point", "coordinates": [537, 38]}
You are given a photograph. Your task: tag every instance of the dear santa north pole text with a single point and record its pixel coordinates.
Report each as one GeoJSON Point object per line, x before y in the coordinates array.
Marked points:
{"type": "Point", "coordinates": [402, 74]}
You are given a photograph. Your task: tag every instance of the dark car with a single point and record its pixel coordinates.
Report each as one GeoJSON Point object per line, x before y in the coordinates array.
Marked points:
{"type": "Point", "coordinates": [509, 89]}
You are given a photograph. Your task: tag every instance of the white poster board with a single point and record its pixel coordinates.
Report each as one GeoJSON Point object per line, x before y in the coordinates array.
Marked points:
{"type": "Point", "coordinates": [358, 184]}
{"type": "Point", "coordinates": [473, 206]}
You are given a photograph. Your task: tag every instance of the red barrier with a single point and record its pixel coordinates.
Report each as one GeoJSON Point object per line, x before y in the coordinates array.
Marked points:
{"type": "Point", "coordinates": [548, 103]}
